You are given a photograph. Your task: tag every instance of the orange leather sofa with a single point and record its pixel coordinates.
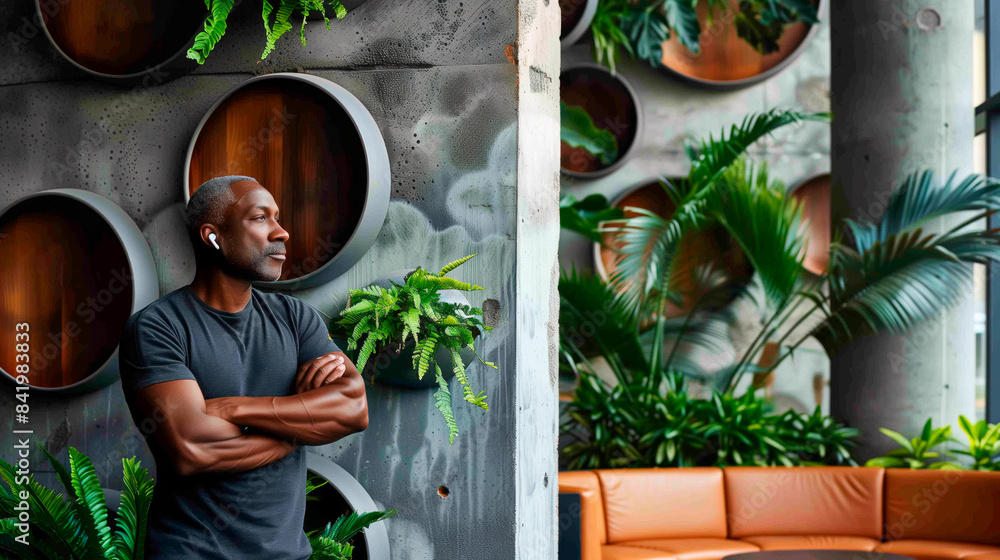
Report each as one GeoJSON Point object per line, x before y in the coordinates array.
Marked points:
{"type": "Point", "coordinates": [708, 513]}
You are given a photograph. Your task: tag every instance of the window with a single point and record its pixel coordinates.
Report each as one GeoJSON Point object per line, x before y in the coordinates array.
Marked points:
{"type": "Point", "coordinates": [986, 91]}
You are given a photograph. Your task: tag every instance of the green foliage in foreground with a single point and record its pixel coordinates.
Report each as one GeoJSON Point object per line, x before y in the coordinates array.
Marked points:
{"type": "Point", "coordinates": [79, 528]}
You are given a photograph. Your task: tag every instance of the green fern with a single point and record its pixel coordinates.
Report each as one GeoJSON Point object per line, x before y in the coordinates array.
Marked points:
{"type": "Point", "coordinates": [378, 318]}
{"type": "Point", "coordinates": [132, 517]}
{"type": "Point", "coordinates": [90, 495]}
{"type": "Point", "coordinates": [215, 28]}
{"type": "Point", "coordinates": [424, 353]}
{"type": "Point", "coordinates": [455, 264]}
{"type": "Point", "coordinates": [77, 527]}
{"type": "Point", "coordinates": [442, 401]}
{"type": "Point", "coordinates": [218, 13]}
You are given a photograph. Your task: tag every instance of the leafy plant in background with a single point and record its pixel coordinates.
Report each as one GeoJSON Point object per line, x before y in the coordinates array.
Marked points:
{"type": "Point", "coordinates": [77, 527]}
{"type": "Point", "coordinates": [276, 22]}
{"type": "Point", "coordinates": [983, 450]}
{"type": "Point", "coordinates": [883, 276]}
{"type": "Point", "coordinates": [641, 27]}
{"type": "Point", "coordinates": [578, 130]}
{"type": "Point", "coordinates": [914, 453]}
{"type": "Point", "coordinates": [584, 216]}
{"type": "Point", "coordinates": [660, 424]}
{"type": "Point", "coordinates": [333, 541]}
{"type": "Point", "coordinates": [984, 444]}
{"type": "Point", "coordinates": [377, 318]}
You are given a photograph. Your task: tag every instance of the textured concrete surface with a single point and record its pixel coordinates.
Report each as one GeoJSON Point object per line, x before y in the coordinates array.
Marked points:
{"type": "Point", "coordinates": [437, 78]}
{"type": "Point", "coordinates": [903, 100]}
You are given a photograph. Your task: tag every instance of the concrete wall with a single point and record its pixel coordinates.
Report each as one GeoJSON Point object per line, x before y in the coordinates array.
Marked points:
{"type": "Point", "coordinates": [442, 80]}
{"type": "Point", "coordinates": [674, 111]}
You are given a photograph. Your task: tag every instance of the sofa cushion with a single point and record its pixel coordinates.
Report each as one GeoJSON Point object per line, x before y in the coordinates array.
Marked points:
{"type": "Point", "coordinates": [812, 542]}
{"type": "Point", "coordinates": [804, 501]}
{"type": "Point", "coordinates": [942, 505]}
{"type": "Point", "coordinates": [622, 552]}
{"type": "Point", "coordinates": [936, 550]}
{"type": "Point", "coordinates": [592, 533]}
{"type": "Point", "coordinates": [984, 556]}
{"type": "Point", "coordinates": [696, 549]}
{"type": "Point", "coordinates": [663, 503]}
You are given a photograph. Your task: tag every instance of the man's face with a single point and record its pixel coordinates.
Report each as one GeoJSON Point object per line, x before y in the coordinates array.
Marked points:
{"type": "Point", "coordinates": [254, 241]}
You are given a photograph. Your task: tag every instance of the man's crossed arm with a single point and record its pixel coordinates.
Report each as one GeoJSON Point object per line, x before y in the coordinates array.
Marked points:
{"type": "Point", "coordinates": [203, 436]}
{"type": "Point", "coordinates": [329, 404]}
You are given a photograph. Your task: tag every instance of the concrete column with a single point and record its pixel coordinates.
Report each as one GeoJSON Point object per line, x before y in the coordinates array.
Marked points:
{"type": "Point", "coordinates": [902, 101]}
{"type": "Point", "coordinates": [537, 297]}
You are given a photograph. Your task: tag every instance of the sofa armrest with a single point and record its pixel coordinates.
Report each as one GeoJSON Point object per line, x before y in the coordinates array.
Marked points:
{"type": "Point", "coordinates": [590, 514]}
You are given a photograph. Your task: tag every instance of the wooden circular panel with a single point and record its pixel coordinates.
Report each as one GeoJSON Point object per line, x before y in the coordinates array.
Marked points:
{"type": "Point", "coordinates": [710, 247]}
{"type": "Point", "coordinates": [305, 148]}
{"type": "Point", "coordinates": [572, 12]}
{"type": "Point", "coordinates": [814, 195]}
{"type": "Point", "coordinates": [69, 276]}
{"type": "Point", "coordinates": [123, 37]}
{"type": "Point", "coordinates": [726, 60]}
{"type": "Point", "coordinates": [576, 18]}
{"type": "Point", "coordinates": [612, 104]}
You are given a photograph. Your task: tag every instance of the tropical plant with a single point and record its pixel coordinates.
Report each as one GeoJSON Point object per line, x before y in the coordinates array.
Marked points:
{"type": "Point", "coordinates": [984, 444]}
{"type": "Point", "coordinates": [818, 439]}
{"type": "Point", "coordinates": [641, 27]}
{"type": "Point", "coordinates": [887, 275]}
{"type": "Point", "coordinates": [883, 276]}
{"type": "Point", "coordinates": [274, 27]}
{"type": "Point", "coordinates": [77, 527]}
{"type": "Point", "coordinates": [658, 424]}
{"type": "Point", "coordinates": [333, 542]}
{"type": "Point", "coordinates": [914, 453]}
{"type": "Point", "coordinates": [584, 216]}
{"type": "Point", "coordinates": [577, 129]}
{"type": "Point", "coordinates": [379, 318]}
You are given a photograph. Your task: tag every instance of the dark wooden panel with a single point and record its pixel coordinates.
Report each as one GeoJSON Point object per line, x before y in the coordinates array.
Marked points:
{"type": "Point", "coordinates": [62, 264]}
{"type": "Point", "coordinates": [609, 104]}
{"type": "Point", "coordinates": [303, 147]}
{"type": "Point", "coordinates": [124, 36]}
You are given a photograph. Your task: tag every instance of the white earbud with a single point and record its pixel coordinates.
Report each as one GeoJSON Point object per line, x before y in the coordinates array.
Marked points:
{"type": "Point", "coordinates": [211, 237]}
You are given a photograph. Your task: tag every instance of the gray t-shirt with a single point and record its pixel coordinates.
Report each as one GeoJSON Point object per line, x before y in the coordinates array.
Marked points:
{"type": "Point", "coordinates": [254, 352]}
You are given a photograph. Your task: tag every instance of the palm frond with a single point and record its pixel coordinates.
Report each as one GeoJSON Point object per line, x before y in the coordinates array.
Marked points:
{"type": "Point", "coordinates": [891, 276]}
{"type": "Point", "coordinates": [765, 222]}
{"type": "Point", "coordinates": [713, 156]}
{"type": "Point", "coordinates": [919, 199]}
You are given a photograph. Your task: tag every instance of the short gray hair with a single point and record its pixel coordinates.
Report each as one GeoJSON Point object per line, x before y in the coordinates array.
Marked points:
{"type": "Point", "coordinates": [208, 204]}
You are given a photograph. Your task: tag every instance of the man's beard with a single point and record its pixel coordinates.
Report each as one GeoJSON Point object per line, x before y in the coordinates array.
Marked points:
{"type": "Point", "coordinates": [258, 270]}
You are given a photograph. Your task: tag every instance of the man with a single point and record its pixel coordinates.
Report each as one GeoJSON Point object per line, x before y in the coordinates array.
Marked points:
{"type": "Point", "coordinates": [227, 382]}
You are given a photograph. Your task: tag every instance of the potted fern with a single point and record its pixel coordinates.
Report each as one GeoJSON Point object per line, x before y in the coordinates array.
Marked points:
{"type": "Point", "coordinates": [412, 323]}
